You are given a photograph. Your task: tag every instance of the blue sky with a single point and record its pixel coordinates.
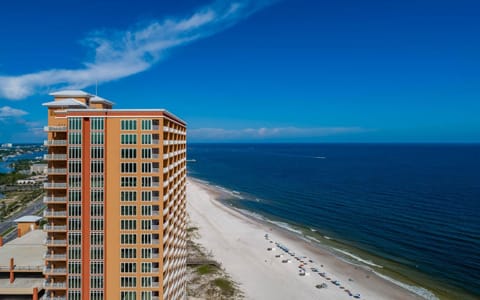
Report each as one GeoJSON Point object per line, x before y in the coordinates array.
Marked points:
{"type": "Point", "coordinates": [244, 70]}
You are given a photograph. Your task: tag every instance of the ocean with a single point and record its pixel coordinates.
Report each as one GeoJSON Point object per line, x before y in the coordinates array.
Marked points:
{"type": "Point", "coordinates": [410, 212]}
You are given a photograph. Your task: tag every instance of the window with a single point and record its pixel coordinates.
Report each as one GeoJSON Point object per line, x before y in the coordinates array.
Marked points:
{"type": "Point", "coordinates": [146, 210]}
{"type": "Point", "coordinates": [74, 252]}
{"type": "Point", "coordinates": [128, 167]}
{"type": "Point", "coordinates": [96, 210]}
{"type": "Point", "coordinates": [96, 166]}
{"type": "Point", "coordinates": [146, 124]}
{"type": "Point", "coordinates": [146, 224]}
{"type": "Point", "coordinates": [128, 196]}
{"type": "Point", "coordinates": [96, 224]}
{"type": "Point", "coordinates": [74, 152]}
{"type": "Point", "coordinates": [74, 267]}
{"type": "Point", "coordinates": [128, 238]}
{"type": "Point", "coordinates": [128, 295]}
{"type": "Point", "coordinates": [74, 282]}
{"type": "Point", "coordinates": [147, 153]}
{"type": "Point", "coordinates": [146, 267]}
{"type": "Point", "coordinates": [128, 224]}
{"type": "Point", "coordinates": [96, 181]}
{"type": "Point", "coordinates": [146, 167]}
{"type": "Point", "coordinates": [146, 139]}
{"type": "Point", "coordinates": [96, 295]}
{"type": "Point", "coordinates": [74, 210]}
{"type": "Point", "coordinates": [128, 153]}
{"type": "Point", "coordinates": [128, 181]}
{"type": "Point", "coordinates": [74, 166]}
{"type": "Point", "coordinates": [128, 210]}
{"type": "Point", "coordinates": [128, 253]}
{"type": "Point", "coordinates": [97, 123]}
{"type": "Point", "coordinates": [128, 281]}
{"type": "Point", "coordinates": [146, 239]}
{"type": "Point", "coordinates": [96, 238]}
{"type": "Point", "coordinates": [96, 282]}
{"type": "Point", "coordinates": [96, 152]}
{"type": "Point", "coordinates": [128, 267]}
{"type": "Point", "coordinates": [75, 138]}
{"type": "Point", "coordinates": [146, 181]}
{"type": "Point", "coordinates": [128, 124]}
{"type": "Point", "coordinates": [75, 181]}
{"type": "Point", "coordinates": [146, 281]}
{"type": "Point", "coordinates": [96, 196]}
{"type": "Point", "coordinates": [96, 138]}
{"type": "Point", "coordinates": [74, 295]}
{"type": "Point", "coordinates": [96, 253]}
{"type": "Point", "coordinates": [74, 224]}
{"type": "Point", "coordinates": [74, 123]}
{"type": "Point", "coordinates": [96, 267]}
{"type": "Point", "coordinates": [146, 195]}
{"type": "Point", "coordinates": [128, 139]}
{"type": "Point", "coordinates": [146, 253]}
{"type": "Point", "coordinates": [74, 195]}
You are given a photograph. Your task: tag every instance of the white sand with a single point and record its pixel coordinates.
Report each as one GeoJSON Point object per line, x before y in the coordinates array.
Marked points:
{"type": "Point", "coordinates": [238, 243]}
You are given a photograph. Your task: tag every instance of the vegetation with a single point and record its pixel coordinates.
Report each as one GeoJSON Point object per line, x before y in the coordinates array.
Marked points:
{"type": "Point", "coordinates": [15, 201]}
{"type": "Point", "coordinates": [225, 285]}
{"type": "Point", "coordinates": [11, 178]}
{"type": "Point", "coordinates": [21, 165]}
{"type": "Point", "coordinates": [206, 269]}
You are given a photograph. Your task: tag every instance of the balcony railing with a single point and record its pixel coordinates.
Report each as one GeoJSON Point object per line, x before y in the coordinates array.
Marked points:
{"type": "Point", "coordinates": [57, 271]}
{"type": "Point", "coordinates": [48, 199]}
{"type": "Point", "coordinates": [55, 128]}
{"type": "Point", "coordinates": [50, 213]}
{"type": "Point", "coordinates": [55, 142]}
{"type": "Point", "coordinates": [55, 185]}
{"type": "Point", "coordinates": [54, 285]}
{"type": "Point", "coordinates": [49, 297]}
{"type": "Point", "coordinates": [56, 171]}
{"type": "Point", "coordinates": [55, 242]}
{"type": "Point", "coordinates": [53, 228]}
{"type": "Point", "coordinates": [55, 157]}
{"type": "Point", "coordinates": [49, 256]}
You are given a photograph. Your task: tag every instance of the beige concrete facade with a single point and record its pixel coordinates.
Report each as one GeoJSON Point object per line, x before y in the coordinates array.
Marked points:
{"type": "Point", "coordinates": [116, 195]}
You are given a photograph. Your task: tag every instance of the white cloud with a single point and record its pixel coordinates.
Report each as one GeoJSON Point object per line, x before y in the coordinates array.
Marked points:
{"type": "Point", "coordinates": [9, 112]}
{"type": "Point", "coordinates": [269, 133]}
{"type": "Point", "coordinates": [118, 54]}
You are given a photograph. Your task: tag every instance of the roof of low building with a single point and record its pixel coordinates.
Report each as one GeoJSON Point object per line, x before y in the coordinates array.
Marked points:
{"type": "Point", "coordinates": [27, 251]}
{"type": "Point", "coordinates": [27, 219]}
{"type": "Point", "coordinates": [98, 99]}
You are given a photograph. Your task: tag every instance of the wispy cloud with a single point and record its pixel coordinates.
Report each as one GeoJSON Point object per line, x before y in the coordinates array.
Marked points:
{"type": "Point", "coordinates": [269, 133]}
{"type": "Point", "coordinates": [118, 54]}
{"type": "Point", "coordinates": [9, 112]}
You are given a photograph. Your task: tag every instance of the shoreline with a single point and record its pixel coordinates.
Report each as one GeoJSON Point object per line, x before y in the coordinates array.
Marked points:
{"type": "Point", "coordinates": [239, 243]}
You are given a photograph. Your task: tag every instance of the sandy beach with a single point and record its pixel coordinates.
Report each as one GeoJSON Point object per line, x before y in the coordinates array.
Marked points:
{"type": "Point", "coordinates": [240, 244]}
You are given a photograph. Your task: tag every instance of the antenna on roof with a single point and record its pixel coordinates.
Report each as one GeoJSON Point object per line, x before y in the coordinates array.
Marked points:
{"type": "Point", "coordinates": [96, 87]}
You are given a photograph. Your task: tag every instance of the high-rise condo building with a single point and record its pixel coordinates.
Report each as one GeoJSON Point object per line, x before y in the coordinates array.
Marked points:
{"type": "Point", "coordinates": [115, 198]}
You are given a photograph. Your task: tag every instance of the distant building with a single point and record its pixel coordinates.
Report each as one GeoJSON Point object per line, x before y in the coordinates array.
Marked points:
{"type": "Point", "coordinates": [116, 201]}
{"type": "Point", "coordinates": [38, 169]}
{"type": "Point", "coordinates": [25, 181]}
{"type": "Point", "coordinates": [7, 145]}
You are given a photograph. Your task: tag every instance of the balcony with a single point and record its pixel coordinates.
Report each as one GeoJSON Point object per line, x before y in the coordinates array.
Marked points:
{"type": "Point", "coordinates": [54, 271]}
{"type": "Point", "coordinates": [54, 214]}
{"type": "Point", "coordinates": [54, 285]}
{"type": "Point", "coordinates": [57, 257]}
{"type": "Point", "coordinates": [56, 171]}
{"type": "Point", "coordinates": [54, 200]}
{"type": "Point", "coordinates": [55, 185]}
{"type": "Point", "coordinates": [50, 297]}
{"type": "Point", "coordinates": [55, 142]}
{"type": "Point", "coordinates": [55, 157]}
{"type": "Point", "coordinates": [54, 228]}
{"type": "Point", "coordinates": [55, 128]}
{"type": "Point", "coordinates": [52, 242]}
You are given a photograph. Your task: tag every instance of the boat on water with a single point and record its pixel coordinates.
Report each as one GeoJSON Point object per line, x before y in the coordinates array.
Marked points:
{"type": "Point", "coordinates": [191, 160]}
